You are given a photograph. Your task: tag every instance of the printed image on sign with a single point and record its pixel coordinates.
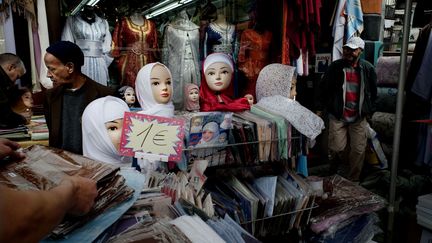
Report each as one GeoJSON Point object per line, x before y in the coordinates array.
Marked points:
{"type": "Point", "coordinates": [153, 135]}
{"type": "Point", "coordinates": [322, 61]}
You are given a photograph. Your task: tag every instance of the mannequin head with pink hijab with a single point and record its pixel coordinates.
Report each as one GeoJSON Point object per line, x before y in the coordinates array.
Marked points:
{"type": "Point", "coordinates": [191, 97]}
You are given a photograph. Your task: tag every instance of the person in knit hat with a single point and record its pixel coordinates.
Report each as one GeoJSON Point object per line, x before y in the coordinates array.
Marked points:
{"type": "Point", "coordinates": [72, 92]}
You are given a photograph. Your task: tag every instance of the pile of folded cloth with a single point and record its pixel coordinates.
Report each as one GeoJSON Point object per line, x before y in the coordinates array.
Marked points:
{"type": "Point", "coordinates": [346, 213]}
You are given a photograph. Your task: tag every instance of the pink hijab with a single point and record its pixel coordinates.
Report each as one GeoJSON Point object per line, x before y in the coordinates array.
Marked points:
{"type": "Point", "coordinates": [189, 104]}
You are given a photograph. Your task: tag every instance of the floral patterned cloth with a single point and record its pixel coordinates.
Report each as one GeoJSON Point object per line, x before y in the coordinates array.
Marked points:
{"type": "Point", "coordinates": [304, 120]}
{"type": "Point", "coordinates": [274, 79]}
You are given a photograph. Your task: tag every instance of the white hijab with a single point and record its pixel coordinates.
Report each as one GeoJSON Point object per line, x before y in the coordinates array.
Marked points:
{"type": "Point", "coordinates": [96, 142]}
{"type": "Point", "coordinates": [145, 95]}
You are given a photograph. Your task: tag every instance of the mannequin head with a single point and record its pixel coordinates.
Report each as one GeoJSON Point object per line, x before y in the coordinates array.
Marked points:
{"type": "Point", "coordinates": [191, 97]}
{"type": "Point", "coordinates": [216, 93]}
{"type": "Point", "coordinates": [250, 99]}
{"type": "Point", "coordinates": [127, 93]}
{"type": "Point", "coordinates": [25, 97]}
{"type": "Point", "coordinates": [218, 71]}
{"type": "Point", "coordinates": [102, 123]}
{"type": "Point", "coordinates": [88, 14]}
{"type": "Point", "coordinates": [22, 102]}
{"type": "Point", "coordinates": [153, 87]}
{"type": "Point", "coordinates": [293, 91]}
{"type": "Point", "coordinates": [114, 129]}
{"type": "Point", "coordinates": [160, 81]}
{"type": "Point", "coordinates": [274, 79]}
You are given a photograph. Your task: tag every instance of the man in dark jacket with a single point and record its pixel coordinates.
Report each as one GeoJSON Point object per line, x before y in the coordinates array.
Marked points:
{"type": "Point", "coordinates": [11, 69]}
{"type": "Point", "coordinates": [348, 92]}
{"type": "Point", "coordinates": [72, 92]}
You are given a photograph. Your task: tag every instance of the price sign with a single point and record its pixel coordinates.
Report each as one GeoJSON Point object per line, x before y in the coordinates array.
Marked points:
{"type": "Point", "coordinates": [153, 135]}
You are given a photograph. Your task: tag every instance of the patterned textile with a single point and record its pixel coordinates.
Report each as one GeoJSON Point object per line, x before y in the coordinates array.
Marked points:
{"type": "Point", "coordinates": [304, 120]}
{"type": "Point", "coordinates": [133, 47]}
{"type": "Point", "coordinates": [219, 39]}
{"type": "Point", "coordinates": [354, 17]}
{"type": "Point", "coordinates": [346, 199]}
{"type": "Point", "coordinates": [352, 89]}
{"type": "Point", "coordinates": [387, 70]}
{"type": "Point", "coordinates": [338, 31]}
{"type": "Point", "coordinates": [98, 35]}
{"type": "Point", "coordinates": [274, 79]}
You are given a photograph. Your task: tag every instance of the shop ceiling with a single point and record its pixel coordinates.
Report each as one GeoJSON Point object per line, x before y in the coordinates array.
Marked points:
{"type": "Point", "coordinates": [122, 7]}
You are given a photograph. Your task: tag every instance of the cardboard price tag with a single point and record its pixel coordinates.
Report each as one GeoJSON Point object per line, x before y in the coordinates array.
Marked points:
{"type": "Point", "coordinates": [152, 135]}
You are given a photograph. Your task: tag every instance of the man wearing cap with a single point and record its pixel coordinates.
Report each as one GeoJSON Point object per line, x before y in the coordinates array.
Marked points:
{"type": "Point", "coordinates": [347, 92]}
{"type": "Point", "coordinates": [72, 92]}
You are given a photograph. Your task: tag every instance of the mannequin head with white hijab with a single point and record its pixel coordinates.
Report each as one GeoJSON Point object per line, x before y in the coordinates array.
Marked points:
{"type": "Point", "coordinates": [102, 123]}
{"type": "Point", "coordinates": [154, 88]}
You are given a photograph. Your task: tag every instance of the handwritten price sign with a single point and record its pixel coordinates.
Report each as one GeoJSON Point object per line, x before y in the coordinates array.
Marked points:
{"type": "Point", "coordinates": [153, 135]}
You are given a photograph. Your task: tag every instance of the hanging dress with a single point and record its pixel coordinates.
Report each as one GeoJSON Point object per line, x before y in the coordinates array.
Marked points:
{"type": "Point", "coordinates": [133, 47]}
{"type": "Point", "coordinates": [94, 39]}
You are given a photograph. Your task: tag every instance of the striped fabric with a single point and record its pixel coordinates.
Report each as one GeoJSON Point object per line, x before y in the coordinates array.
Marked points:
{"type": "Point", "coordinates": [352, 88]}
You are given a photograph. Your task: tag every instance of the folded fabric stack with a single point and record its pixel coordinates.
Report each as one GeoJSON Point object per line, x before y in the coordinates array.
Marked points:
{"type": "Point", "coordinates": [347, 214]}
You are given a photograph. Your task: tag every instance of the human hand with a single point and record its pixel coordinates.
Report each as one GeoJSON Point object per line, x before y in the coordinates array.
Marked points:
{"type": "Point", "coordinates": [9, 148]}
{"type": "Point", "coordinates": [84, 193]}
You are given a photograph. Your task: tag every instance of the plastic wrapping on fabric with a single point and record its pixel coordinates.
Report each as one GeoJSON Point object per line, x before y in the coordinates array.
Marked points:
{"type": "Point", "coordinates": [357, 229]}
{"type": "Point", "coordinates": [345, 199]}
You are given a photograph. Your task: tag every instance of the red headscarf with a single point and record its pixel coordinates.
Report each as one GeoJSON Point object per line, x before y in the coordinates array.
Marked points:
{"type": "Point", "coordinates": [209, 98]}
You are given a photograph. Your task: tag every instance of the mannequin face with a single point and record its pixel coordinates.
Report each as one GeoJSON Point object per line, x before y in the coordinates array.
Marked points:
{"type": "Point", "coordinates": [27, 99]}
{"type": "Point", "coordinates": [160, 81]}
{"type": "Point", "coordinates": [250, 98]}
{"type": "Point", "coordinates": [218, 76]}
{"type": "Point", "coordinates": [114, 129]}
{"type": "Point", "coordinates": [193, 95]}
{"type": "Point", "coordinates": [207, 135]}
{"type": "Point", "coordinates": [129, 96]}
{"type": "Point", "coordinates": [293, 92]}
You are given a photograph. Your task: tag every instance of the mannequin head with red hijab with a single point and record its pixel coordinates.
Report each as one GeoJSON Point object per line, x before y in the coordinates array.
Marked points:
{"type": "Point", "coordinates": [216, 92]}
